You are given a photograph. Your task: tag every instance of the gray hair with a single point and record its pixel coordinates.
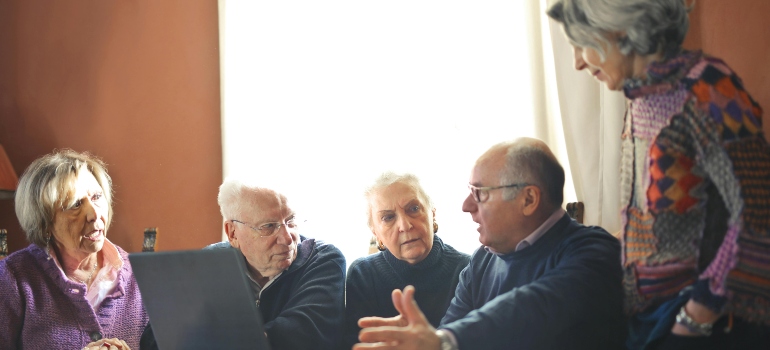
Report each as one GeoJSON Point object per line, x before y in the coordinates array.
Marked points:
{"type": "Point", "coordinates": [388, 178]}
{"type": "Point", "coordinates": [650, 26]}
{"type": "Point", "coordinates": [234, 197]}
{"type": "Point", "coordinates": [528, 163]}
{"type": "Point", "coordinates": [45, 185]}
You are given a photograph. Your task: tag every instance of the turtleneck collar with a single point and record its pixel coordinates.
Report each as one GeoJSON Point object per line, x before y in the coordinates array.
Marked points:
{"type": "Point", "coordinates": [433, 257]}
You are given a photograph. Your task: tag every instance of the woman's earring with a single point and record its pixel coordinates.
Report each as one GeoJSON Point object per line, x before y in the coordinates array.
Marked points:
{"type": "Point", "coordinates": [380, 246]}
{"type": "Point", "coordinates": [435, 227]}
{"type": "Point", "coordinates": [47, 247]}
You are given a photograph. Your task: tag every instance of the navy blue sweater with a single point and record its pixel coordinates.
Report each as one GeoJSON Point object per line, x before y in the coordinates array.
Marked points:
{"type": "Point", "coordinates": [304, 307]}
{"type": "Point", "coordinates": [371, 280]}
{"type": "Point", "coordinates": [563, 292]}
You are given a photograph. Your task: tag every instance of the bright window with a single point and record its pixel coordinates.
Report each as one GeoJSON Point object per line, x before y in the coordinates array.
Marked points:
{"type": "Point", "coordinates": [322, 96]}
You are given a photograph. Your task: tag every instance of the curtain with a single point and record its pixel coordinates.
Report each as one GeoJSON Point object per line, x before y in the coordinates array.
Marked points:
{"type": "Point", "coordinates": [591, 117]}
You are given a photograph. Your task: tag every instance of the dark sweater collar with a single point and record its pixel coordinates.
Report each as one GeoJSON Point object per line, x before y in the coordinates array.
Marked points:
{"type": "Point", "coordinates": [402, 267]}
{"type": "Point", "coordinates": [662, 76]}
{"type": "Point", "coordinates": [304, 252]}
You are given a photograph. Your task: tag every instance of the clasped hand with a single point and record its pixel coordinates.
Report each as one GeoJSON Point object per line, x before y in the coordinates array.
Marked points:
{"type": "Point", "coordinates": [108, 344]}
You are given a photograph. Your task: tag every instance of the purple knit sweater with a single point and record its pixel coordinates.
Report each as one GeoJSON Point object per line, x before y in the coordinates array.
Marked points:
{"type": "Point", "coordinates": [41, 309]}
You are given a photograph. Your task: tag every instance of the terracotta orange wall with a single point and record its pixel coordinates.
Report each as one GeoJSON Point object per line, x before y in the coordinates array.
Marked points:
{"type": "Point", "coordinates": [738, 32]}
{"type": "Point", "coordinates": [134, 82]}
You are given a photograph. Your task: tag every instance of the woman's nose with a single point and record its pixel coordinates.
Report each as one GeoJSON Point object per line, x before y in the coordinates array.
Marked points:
{"type": "Point", "coordinates": [404, 224]}
{"type": "Point", "coordinates": [577, 53]}
{"type": "Point", "coordinates": [90, 209]}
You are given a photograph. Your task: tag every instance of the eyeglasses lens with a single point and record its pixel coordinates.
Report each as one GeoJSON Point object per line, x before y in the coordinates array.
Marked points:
{"type": "Point", "coordinates": [478, 194]}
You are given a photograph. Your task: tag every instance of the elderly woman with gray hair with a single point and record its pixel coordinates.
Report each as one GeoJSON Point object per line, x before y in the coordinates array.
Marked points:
{"type": "Point", "coordinates": [71, 287]}
{"type": "Point", "coordinates": [695, 177]}
{"type": "Point", "coordinates": [403, 220]}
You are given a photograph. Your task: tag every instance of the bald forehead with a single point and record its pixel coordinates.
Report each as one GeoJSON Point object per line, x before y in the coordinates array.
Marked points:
{"type": "Point", "coordinates": [494, 154]}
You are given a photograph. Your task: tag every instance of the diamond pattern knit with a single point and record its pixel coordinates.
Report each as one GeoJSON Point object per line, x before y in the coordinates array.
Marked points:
{"type": "Point", "coordinates": [693, 136]}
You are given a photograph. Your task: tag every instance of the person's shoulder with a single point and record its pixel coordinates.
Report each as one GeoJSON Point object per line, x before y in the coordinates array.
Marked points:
{"type": "Point", "coordinates": [20, 259]}
{"type": "Point", "coordinates": [480, 258]}
{"type": "Point", "coordinates": [366, 262]}
{"type": "Point", "coordinates": [20, 263]}
{"type": "Point", "coordinates": [448, 249]}
{"type": "Point", "coordinates": [324, 247]}
{"type": "Point", "coordinates": [313, 250]}
{"type": "Point", "coordinates": [450, 253]}
{"type": "Point", "coordinates": [580, 234]}
{"type": "Point", "coordinates": [708, 67]}
{"type": "Point", "coordinates": [710, 79]}
{"type": "Point", "coordinates": [218, 245]}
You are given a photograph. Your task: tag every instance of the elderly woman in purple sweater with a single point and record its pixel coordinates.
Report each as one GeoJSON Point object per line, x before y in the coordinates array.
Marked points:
{"type": "Point", "coordinates": [71, 287]}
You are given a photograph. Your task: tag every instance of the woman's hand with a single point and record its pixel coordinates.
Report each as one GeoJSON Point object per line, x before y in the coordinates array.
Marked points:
{"type": "Point", "coordinates": [107, 344]}
{"type": "Point", "coordinates": [699, 313]}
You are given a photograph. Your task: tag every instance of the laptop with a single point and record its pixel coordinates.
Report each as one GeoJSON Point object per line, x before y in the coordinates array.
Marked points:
{"type": "Point", "coordinates": [199, 299]}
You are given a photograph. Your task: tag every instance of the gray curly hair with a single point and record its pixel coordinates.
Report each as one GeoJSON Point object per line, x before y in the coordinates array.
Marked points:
{"type": "Point", "coordinates": [650, 26]}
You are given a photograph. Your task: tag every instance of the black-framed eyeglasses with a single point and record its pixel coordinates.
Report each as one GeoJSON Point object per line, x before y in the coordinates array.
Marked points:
{"type": "Point", "coordinates": [481, 194]}
{"type": "Point", "coordinates": [270, 228]}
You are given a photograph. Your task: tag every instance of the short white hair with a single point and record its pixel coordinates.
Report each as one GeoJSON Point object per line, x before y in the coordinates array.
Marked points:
{"type": "Point", "coordinates": [237, 195]}
{"type": "Point", "coordinates": [230, 197]}
{"type": "Point", "coordinates": [388, 178]}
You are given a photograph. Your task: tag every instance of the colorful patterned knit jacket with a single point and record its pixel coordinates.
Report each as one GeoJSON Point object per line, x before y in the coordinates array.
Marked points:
{"type": "Point", "coordinates": [695, 190]}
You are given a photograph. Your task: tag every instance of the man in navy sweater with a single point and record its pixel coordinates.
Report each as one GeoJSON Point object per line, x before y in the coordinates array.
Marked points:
{"type": "Point", "coordinates": [298, 282]}
{"type": "Point", "coordinates": [540, 280]}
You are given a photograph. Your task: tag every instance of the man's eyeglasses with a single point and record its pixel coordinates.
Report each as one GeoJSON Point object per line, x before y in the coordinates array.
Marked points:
{"type": "Point", "coordinates": [481, 194]}
{"type": "Point", "coordinates": [270, 228]}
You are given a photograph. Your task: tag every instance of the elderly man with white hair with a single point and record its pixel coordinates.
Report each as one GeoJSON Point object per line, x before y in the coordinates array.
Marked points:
{"type": "Point", "coordinates": [298, 282]}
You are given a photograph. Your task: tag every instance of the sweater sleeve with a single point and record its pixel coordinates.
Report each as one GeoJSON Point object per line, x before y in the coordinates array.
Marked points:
{"type": "Point", "coordinates": [11, 311]}
{"type": "Point", "coordinates": [313, 315]}
{"type": "Point", "coordinates": [734, 157]}
{"type": "Point", "coordinates": [583, 290]}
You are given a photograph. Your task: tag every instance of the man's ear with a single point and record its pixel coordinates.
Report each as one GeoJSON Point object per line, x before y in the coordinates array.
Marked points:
{"type": "Point", "coordinates": [532, 197]}
{"type": "Point", "coordinates": [230, 231]}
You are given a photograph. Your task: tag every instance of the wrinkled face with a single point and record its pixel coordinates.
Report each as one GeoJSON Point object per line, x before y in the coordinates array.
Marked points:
{"type": "Point", "coordinates": [79, 226]}
{"type": "Point", "coordinates": [498, 219]}
{"type": "Point", "coordinates": [402, 221]}
{"type": "Point", "coordinates": [615, 69]}
{"type": "Point", "coordinates": [269, 255]}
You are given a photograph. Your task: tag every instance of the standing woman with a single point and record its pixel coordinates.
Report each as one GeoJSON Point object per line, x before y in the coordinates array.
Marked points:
{"type": "Point", "coordinates": [695, 178]}
{"type": "Point", "coordinates": [71, 287]}
{"type": "Point", "coordinates": [402, 218]}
